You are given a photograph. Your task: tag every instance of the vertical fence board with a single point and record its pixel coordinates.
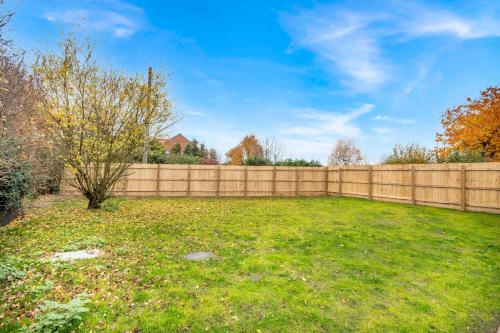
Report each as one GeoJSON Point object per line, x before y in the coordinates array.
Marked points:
{"type": "Point", "coordinates": [471, 186]}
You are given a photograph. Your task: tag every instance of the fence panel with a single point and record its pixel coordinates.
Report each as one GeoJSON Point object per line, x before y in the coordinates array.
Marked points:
{"type": "Point", "coordinates": [468, 186]}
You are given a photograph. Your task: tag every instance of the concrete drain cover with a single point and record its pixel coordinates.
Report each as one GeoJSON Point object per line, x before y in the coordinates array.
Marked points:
{"type": "Point", "coordinates": [199, 256]}
{"type": "Point", "coordinates": [76, 255]}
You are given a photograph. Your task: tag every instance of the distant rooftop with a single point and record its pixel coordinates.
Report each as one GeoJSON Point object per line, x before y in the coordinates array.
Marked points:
{"type": "Point", "coordinates": [169, 143]}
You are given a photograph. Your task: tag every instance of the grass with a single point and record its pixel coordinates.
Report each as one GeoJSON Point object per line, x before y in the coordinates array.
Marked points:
{"type": "Point", "coordinates": [295, 265]}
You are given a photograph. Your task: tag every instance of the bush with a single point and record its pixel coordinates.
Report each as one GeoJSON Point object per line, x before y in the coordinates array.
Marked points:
{"type": "Point", "coordinates": [59, 317]}
{"type": "Point", "coordinates": [257, 161]}
{"type": "Point", "coordinates": [14, 180]}
{"type": "Point", "coordinates": [181, 159]}
{"type": "Point", "coordinates": [461, 157]}
{"type": "Point", "coordinates": [9, 272]}
{"type": "Point", "coordinates": [409, 154]}
{"type": "Point", "coordinates": [297, 162]}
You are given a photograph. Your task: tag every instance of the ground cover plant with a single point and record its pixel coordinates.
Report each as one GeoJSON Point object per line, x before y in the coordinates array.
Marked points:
{"type": "Point", "coordinates": [284, 264]}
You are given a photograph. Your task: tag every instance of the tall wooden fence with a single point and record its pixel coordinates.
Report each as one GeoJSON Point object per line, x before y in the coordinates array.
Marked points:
{"type": "Point", "coordinates": [471, 186]}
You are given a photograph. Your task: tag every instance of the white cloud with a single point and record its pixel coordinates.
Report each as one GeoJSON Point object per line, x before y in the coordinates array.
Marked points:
{"type": "Point", "coordinates": [422, 21]}
{"type": "Point", "coordinates": [327, 124]}
{"type": "Point", "coordinates": [394, 120]}
{"type": "Point", "coordinates": [121, 20]}
{"type": "Point", "coordinates": [194, 113]}
{"type": "Point", "coordinates": [352, 42]}
{"type": "Point", "coordinates": [382, 130]}
{"type": "Point", "coordinates": [341, 38]}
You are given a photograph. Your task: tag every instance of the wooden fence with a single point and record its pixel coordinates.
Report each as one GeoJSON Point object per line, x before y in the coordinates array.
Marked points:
{"type": "Point", "coordinates": [471, 186]}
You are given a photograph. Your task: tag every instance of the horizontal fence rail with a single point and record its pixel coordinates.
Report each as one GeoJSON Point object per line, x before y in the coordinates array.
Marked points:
{"type": "Point", "coordinates": [470, 186]}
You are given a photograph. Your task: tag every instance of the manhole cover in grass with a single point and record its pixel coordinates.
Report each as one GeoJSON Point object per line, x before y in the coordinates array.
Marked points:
{"type": "Point", "coordinates": [199, 256]}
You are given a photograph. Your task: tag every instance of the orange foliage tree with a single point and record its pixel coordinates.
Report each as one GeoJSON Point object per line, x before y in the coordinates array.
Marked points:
{"type": "Point", "coordinates": [473, 127]}
{"type": "Point", "coordinates": [248, 148]}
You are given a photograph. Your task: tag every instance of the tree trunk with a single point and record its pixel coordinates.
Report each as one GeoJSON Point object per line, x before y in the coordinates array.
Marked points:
{"type": "Point", "coordinates": [94, 203]}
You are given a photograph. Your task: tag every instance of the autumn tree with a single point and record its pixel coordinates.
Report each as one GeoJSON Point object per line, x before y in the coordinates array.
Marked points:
{"type": "Point", "coordinates": [345, 152]}
{"type": "Point", "coordinates": [99, 117]}
{"type": "Point", "coordinates": [235, 155]}
{"type": "Point", "coordinates": [409, 154]}
{"type": "Point", "coordinates": [473, 127]}
{"type": "Point", "coordinates": [249, 149]}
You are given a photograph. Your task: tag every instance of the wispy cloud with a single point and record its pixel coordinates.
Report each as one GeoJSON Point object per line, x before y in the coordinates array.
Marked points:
{"type": "Point", "coordinates": [420, 21]}
{"type": "Point", "coordinates": [119, 19]}
{"type": "Point", "coordinates": [327, 124]}
{"type": "Point", "coordinates": [340, 38]}
{"type": "Point", "coordinates": [352, 42]}
{"type": "Point", "coordinates": [382, 130]}
{"type": "Point", "coordinates": [394, 120]}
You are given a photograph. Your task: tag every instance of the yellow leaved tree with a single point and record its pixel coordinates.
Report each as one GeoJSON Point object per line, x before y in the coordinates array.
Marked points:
{"type": "Point", "coordinates": [97, 116]}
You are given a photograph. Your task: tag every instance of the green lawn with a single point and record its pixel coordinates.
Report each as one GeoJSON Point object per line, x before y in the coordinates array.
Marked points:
{"type": "Point", "coordinates": [283, 265]}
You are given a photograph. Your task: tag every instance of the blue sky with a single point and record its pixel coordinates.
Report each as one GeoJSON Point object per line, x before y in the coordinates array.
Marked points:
{"type": "Point", "coordinates": [304, 72]}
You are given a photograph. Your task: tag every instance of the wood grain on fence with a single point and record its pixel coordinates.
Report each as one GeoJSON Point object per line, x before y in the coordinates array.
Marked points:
{"type": "Point", "coordinates": [472, 186]}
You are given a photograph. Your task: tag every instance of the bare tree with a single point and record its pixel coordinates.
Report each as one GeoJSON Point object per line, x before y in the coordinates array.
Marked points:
{"type": "Point", "coordinates": [273, 149]}
{"type": "Point", "coordinates": [345, 152]}
{"type": "Point", "coordinates": [17, 93]}
{"type": "Point", "coordinates": [19, 121]}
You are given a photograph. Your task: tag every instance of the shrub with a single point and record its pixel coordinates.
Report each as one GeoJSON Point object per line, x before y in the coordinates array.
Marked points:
{"type": "Point", "coordinates": [181, 159]}
{"type": "Point", "coordinates": [9, 272]}
{"type": "Point", "coordinates": [461, 157]}
{"type": "Point", "coordinates": [298, 162]}
{"type": "Point", "coordinates": [409, 154]}
{"type": "Point", "coordinates": [14, 179]}
{"type": "Point", "coordinates": [57, 317]}
{"type": "Point", "coordinates": [254, 160]}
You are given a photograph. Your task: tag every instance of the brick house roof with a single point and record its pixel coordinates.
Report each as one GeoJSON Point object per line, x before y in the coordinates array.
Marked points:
{"type": "Point", "coordinates": [171, 142]}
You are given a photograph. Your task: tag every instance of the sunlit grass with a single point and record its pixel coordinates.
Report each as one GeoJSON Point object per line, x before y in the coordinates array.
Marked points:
{"type": "Point", "coordinates": [294, 265]}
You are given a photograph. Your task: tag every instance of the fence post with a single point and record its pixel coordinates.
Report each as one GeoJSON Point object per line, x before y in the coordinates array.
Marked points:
{"type": "Point", "coordinates": [245, 188]}
{"type": "Point", "coordinates": [158, 180]}
{"type": "Point", "coordinates": [326, 181]}
{"type": "Point", "coordinates": [274, 181]}
{"type": "Point", "coordinates": [125, 186]}
{"type": "Point", "coordinates": [340, 180]}
{"type": "Point", "coordinates": [296, 181]}
{"type": "Point", "coordinates": [413, 196]}
{"type": "Point", "coordinates": [189, 181]}
{"type": "Point", "coordinates": [370, 182]}
{"type": "Point", "coordinates": [463, 198]}
{"type": "Point", "coordinates": [217, 190]}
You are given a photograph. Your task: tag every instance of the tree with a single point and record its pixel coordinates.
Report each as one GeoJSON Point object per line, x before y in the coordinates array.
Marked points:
{"type": "Point", "coordinates": [19, 121]}
{"type": "Point", "coordinates": [345, 152]}
{"type": "Point", "coordinates": [273, 149]}
{"type": "Point", "coordinates": [99, 117]}
{"type": "Point", "coordinates": [235, 155]}
{"type": "Point", "coordinates": [192, 148]}
{"type": "Point", "coordinates": [473, 127]}
{"type": "Point", "coordinates": [156, 152]}
{"type": "Point", "coordinates": [211, 158]}
{"type": "Point", "coordinates": [249, 148]}
{"type": "Point", "coordinates": [176, 149]}
{"type": "Point", "coordinates": [409, 154]}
